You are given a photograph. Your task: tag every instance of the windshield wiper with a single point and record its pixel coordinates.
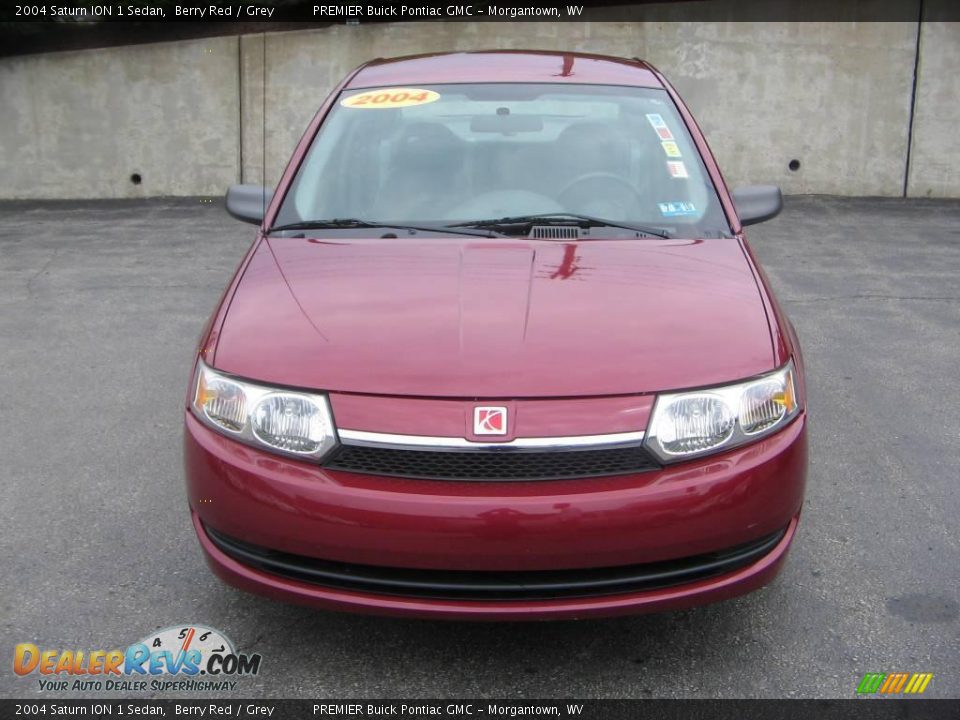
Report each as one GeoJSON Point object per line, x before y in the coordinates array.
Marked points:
{"type": "Point", "coordinates": [560, 218]}
{"type": "Point", "coordinates": [349, 223]}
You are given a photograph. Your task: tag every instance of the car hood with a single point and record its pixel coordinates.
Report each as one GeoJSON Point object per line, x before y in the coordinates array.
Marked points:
{"type": "Point", "coordinates": [496, 318]}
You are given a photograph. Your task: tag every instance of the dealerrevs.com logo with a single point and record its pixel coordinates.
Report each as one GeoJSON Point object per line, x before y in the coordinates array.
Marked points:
{"type": "Point", "coordinates": [178, 658]}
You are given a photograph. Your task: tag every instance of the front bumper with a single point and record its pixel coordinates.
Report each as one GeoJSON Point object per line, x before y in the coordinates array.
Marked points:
{"type": "Point", "coordinates": [666, 516]}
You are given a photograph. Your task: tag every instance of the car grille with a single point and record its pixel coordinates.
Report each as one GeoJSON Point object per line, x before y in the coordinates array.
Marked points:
{"type": "Point", "coordinates": [517, 465]}
{"type": "Point", "coordinates": [487, 585]}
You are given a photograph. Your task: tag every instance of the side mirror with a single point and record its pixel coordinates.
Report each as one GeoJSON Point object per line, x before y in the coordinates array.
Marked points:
{"type": "Point", "coordinates": [757, 203]}
{"type": "Point", "coordinates": [248, 202]}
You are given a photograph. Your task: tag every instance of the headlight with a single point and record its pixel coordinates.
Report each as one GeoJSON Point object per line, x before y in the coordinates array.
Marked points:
{"type": "Point", "coordinates": [689, 424]}
{"type": "Point", "coordinates": [298, 424]}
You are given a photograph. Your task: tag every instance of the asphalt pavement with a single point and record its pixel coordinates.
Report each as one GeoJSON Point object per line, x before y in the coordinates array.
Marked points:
{"type": "Point", "coordinates": [102, 303]}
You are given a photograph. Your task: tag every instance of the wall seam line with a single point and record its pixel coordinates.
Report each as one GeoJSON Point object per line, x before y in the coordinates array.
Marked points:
{"type": "Point", "coordinates": [913, 100]}
{"type": "Point", "coordinates": [240, 102]}
{"type": "Point", "coordinates": [263, 124]}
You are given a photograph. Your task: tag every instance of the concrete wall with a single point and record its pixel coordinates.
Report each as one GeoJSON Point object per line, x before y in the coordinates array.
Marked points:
{"type": "Point", "coordinates": [79, 124]}
{"type": "Point", "coordinates": [935, 152]}
{"type": "Point", "coordinates": [189, 116]}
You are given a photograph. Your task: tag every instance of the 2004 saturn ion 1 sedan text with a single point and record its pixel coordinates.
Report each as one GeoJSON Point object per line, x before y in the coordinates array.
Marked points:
{"type": "Point", "coordinates": [499, 351]}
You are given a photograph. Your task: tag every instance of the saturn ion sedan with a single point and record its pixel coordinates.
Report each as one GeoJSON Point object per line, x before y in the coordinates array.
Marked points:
{"type": "Point", "coordinates": [500, 350]}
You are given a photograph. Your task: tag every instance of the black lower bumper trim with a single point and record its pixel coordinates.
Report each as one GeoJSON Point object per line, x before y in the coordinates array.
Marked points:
{"type": "Point", "coordinates": [493, 585]}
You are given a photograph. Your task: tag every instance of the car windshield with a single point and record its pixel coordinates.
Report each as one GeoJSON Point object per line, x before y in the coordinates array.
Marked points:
{"type": "Point", "coordinates": [439, 155]}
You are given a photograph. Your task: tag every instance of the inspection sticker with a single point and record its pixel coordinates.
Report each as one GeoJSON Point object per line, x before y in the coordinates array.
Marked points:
{"type": "Point", "coordinates": [670, 148]}
{"type": "Point", "coordinates": [656, 120]}
{"type": "Point", "coordinates": [677, 168]}
{"type": "Point", "coordinates": [390, 98]}
{"type": "Point", "coordinates": [677, 209]}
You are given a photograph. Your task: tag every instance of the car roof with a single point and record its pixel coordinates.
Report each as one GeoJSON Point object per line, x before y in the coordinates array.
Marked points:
{"type": "Point", "coordinates": [540, 66]}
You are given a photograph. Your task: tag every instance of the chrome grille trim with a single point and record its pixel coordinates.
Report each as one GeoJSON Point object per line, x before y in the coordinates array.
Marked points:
{"type": "Point", "coordinates": [457, 444]}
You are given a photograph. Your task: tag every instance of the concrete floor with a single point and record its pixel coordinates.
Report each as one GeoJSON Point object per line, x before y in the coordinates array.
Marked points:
{"type": "Point", "coordinates": [102, 304]}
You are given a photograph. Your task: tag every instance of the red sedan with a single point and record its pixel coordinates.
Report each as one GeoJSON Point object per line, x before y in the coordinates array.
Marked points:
{"type": "Point", "coordinates": [500, 350]}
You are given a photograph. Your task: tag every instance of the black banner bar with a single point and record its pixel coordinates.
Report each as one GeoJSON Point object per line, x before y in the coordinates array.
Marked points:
{"type": "Point", "coordinates": [853, 709]}
{"type": "Point", "coordinates": [48, 25]}
{"type": "Point", "coordinates": [365, 11]}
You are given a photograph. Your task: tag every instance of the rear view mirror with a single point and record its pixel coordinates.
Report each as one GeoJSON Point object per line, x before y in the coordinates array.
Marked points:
{"type": "Point", "coordinates": [248, 202]}
{"type": "Point", "coordinates": [757, 203]}
{"type": "Point", "coordinates": [506, 124]}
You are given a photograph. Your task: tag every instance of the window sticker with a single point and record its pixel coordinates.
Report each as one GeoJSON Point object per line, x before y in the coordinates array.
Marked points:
{"type": "Point", "coordinates": [390, 98]}
{"type": "Point", "coordinates": [677, 169]}
{"type": "Point", "coordinates": [656, 120]}
{"type": "Point", "coordinates": [670, 148]}
{"type": "Point", "coordinates": [677, 209]}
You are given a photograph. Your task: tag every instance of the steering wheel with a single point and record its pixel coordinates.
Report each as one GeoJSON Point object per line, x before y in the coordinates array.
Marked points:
{"type": "Point", "coordinates": [604, 194]}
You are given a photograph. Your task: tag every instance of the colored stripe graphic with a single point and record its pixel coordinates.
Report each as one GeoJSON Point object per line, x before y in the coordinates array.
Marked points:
{"type": "Point", "coordinates": [901, 682]}
{"type": "Point", "coordinates": [871, 682]}
{"type": "Point", "coordinates": [893, 683]}
{"type": "Point", "coordinates": [919, 683]}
